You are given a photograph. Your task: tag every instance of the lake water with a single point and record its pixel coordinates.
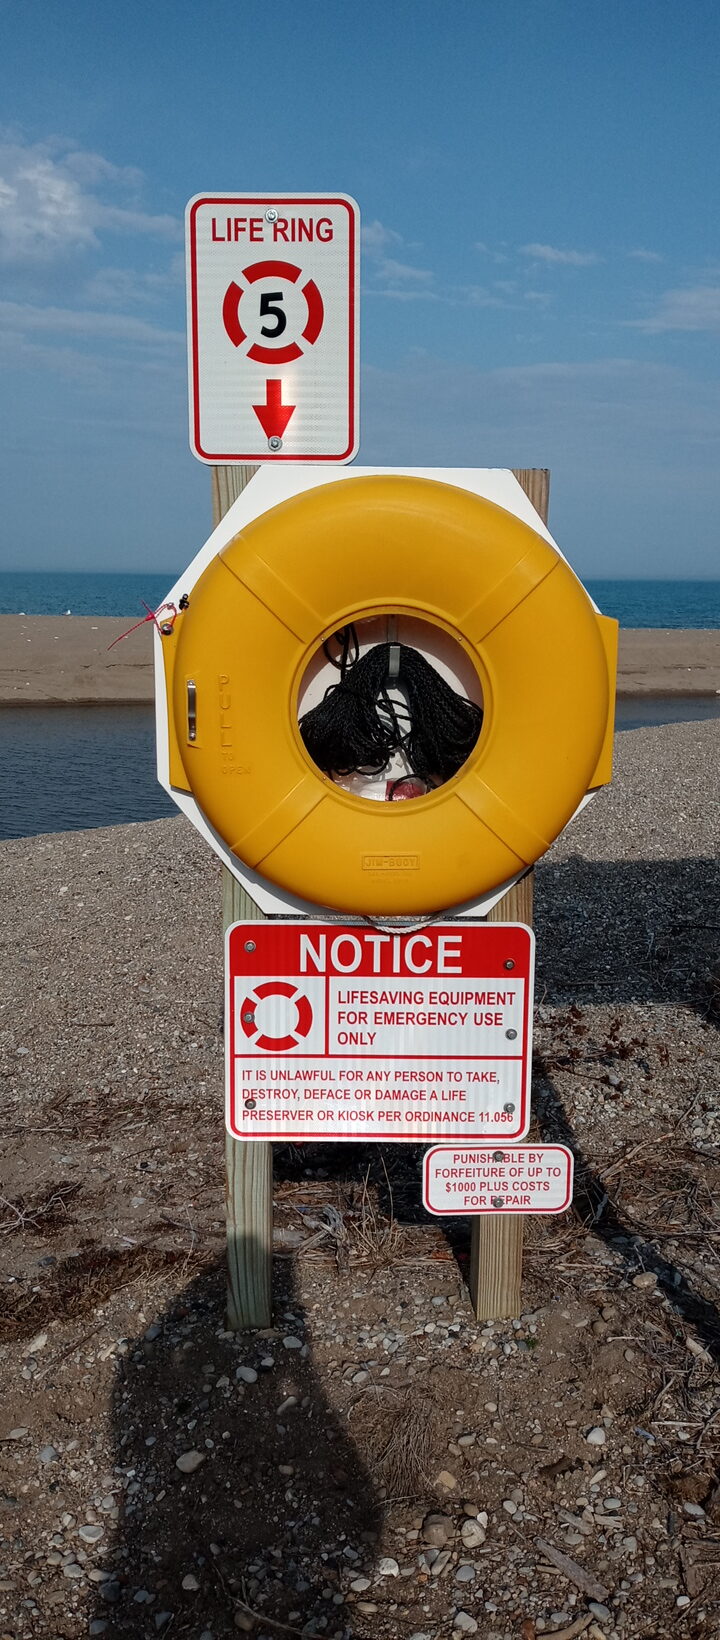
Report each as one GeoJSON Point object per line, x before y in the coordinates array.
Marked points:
{"type": "Point", "coordinates": [75, 767]}
{"type": "Point", "coordinates": [683, 604]}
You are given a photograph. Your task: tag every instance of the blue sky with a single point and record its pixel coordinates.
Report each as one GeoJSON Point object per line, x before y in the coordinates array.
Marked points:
{"type": "Point", "coordinates": [538, 181]}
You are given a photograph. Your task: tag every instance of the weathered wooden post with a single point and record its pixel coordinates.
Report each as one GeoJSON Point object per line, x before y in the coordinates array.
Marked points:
{"type": "Point", "coordinates": [248, 1167]}
{"type": "Point", "coordinates": [497, 1243]}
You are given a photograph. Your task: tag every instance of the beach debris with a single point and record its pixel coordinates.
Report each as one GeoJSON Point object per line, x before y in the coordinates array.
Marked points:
{"type": "Point", "coordinates": [573, 1570]}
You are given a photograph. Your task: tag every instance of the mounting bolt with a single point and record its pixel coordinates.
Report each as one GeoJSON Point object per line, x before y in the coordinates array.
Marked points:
{"type": "Point", "coordinates": [509, 964]}
{"type": "Point", "coordinates": [498, 1155]}
{"type": "Point", "coordinates": [248, 1018]}
{"type": "Point", "coordinates": [274, 443]}
{"type": "Point", "coordinates": [249, 1104]}
{"type": "Point", "coordinates": [511, 1035]}
{"type": "Point", "coordinates": [498, 1201]}
{"type": "Point", "coordinates": [250, 945]}
{"type": "Point", "coordinates": [167, 629]}
{"type": "Point", "coordinates": [509, 1108]}
{"type": "Point", "coordinates": [271, 215]}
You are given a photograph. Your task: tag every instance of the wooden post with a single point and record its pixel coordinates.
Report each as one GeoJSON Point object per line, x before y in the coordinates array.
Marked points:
{"type": "Point", "coordinates": [248, 1167]}
{"type": "Point", "coordinates": [497, 1243]}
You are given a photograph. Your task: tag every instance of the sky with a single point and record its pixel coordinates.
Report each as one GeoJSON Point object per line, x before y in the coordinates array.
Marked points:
{"type": "Point", "coordinates": [538, 182]}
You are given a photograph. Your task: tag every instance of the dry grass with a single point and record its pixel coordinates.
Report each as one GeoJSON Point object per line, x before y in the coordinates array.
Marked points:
{"type": "Point", "coordinates": [397, 1440]}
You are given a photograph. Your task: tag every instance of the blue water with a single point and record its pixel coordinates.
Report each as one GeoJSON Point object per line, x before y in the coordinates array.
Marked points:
{"type": "Point", "coordinates": [111, 753]}
{"type": "Point", "coordinates": [683, 604]}
{"type": "Point", "coordinates": [82, 594]}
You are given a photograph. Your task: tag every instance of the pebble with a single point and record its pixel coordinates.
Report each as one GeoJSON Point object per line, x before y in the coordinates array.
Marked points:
{"type": "Point", "coordinates": [441, 1559]}
{"type": "Point", "coordinates": [646, 1279]}
{"type": "Point", "coordinates": [16, 1435]}
{"type": "Point", "coordinates": [360, 1584]}
{"type": "Point", "coordinates": [161, 1618]}
{"type": "Point", "coordinates": [367, 1607]}
{"type": "Point", "coordinates": [510, 1506]}
{"type": "Point", "coordinates": [72, 1570]}
{"type": "Point", "coordinates": [437, 1529]}
{"type": "Point", "coordinates": [246, 1375]}
{"type": "Point", "coordinates": [48, 1454]}
{"type": "Point", "coordinates": [694, 1510]}
{"type": "Point", "coordinates": [98, 1626]}
{"type": "Point", "coordinates": [465, 1574]}
{"type": "Point", "coordinates": [612, 1504]}
{"type": "Point", "coordinates": [602, 1613]}
{"type": "Point", "coordinates": [387, 1567]}
{"type": "Point", "coordinates": [447, 1480]}
{"type": "Point", "coordinates": [464, 1623]}
{"type": "Point", "coordinates": [153, 1332]}
{"type": "Point", "coordinates": [292, 1343]}
{"type": "Point", "coordinates": [472, 1534]}
{"type": "Point", "coordinates": [190, 1582]}
{"type": "Point", "coordinates": [244, 1621]}
{"type": "Point", "coordinates": [682, 1600]}
{"type": "Point", "coordinates": [90, 1533]}
{"type": "Point", "coordinates": [188, 1462]}
{"type": "Point", "coordinates": [36, 1344]}
{"type": "Point", "coordinates": [596, 1436]}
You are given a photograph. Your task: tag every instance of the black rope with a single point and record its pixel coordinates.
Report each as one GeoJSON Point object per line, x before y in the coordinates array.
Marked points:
{"type": "Point", "coordinates": [357, 727]}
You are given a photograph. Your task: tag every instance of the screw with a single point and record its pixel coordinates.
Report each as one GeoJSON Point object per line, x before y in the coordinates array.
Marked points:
{"type": "Point", "coordinates": [509, 964]}
{"type": "Point", "coordinates": [511, 1035]}
{"type": "Point", "coordinates": [271, 215]}
{"type": "Point", "coordinates": [508, 1108]}
{"type": "Point", "coordinates": [498, 1201]}
{"type": "Point", "coordinates": [184, 602]}
{"type": "Point", "coordinates": [498, 1155]}
{"type": "Point", "coordinates": [274, 443]}
{"type": "Point", "coordinates": [249, 945]}
{"type": "Point", "coordinates": [249, 1104]}
{"type": "Point", "coordinates": [248, 1018]}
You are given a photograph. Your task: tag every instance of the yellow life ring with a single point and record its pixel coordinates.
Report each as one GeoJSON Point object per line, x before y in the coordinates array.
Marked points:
{"type": "Point", "coordinates": [344, 552]}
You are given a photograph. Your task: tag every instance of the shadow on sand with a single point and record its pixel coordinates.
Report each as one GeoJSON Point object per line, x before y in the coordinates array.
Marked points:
{"type": "Point", "coordinates": [276, 1499]}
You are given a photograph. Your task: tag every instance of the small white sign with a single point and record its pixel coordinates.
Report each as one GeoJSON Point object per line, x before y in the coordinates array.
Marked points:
{"type": "Point", "coordinates": [344, 1032]}
{"type": "Point", "coordinates": [273, 327]}
{"type": "Point", "coordinates": [498, 1179]}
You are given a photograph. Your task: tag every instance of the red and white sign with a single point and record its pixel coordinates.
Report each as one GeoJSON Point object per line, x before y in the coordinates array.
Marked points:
{"type": "Point", "coordinates": [350, 1032]}
{"type": "Point", "coordinates": [273, 327]}
{"type": "Point", "coordinates": [495, 1179]}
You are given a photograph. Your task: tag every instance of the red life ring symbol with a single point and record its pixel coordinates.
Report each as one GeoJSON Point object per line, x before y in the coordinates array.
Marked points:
{"type": "Point", "coordinates": [273, 270]}
{"type": "Point", "coordinates": [276, 988]}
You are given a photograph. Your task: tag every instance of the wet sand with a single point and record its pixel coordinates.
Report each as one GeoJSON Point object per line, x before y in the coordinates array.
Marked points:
{"type": "Point", "coordinates": [67, 659]}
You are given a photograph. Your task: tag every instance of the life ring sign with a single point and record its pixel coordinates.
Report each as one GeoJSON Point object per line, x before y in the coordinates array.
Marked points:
{"type": "Point", "coordinates": [303, 560]}
{"type": "Point", "coordinates": [288, 1034]}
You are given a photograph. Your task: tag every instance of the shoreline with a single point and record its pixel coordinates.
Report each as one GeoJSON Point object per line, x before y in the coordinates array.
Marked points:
{"type": "Point", "coordinates": [67, 660]}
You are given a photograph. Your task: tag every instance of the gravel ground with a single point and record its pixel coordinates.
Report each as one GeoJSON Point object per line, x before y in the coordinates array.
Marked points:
{"type": "Point", "coordinates": [376, 1466]}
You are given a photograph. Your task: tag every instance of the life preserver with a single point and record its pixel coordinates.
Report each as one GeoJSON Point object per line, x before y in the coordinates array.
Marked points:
{"type": "Point", "coordinates": [276, 988]}
{"type": "Point", "coordinates": [372, 546]}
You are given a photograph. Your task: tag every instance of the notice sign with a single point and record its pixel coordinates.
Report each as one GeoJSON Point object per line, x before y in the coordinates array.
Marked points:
{"type": "Point", "coordinates": [273, 327]}
{"type": "Point", "coordinates": [346, 1032]}
{"type": "Point", "coordinates": [498, 1179]}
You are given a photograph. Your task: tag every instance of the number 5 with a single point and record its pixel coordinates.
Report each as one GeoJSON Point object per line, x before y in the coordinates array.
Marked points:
{"type": "Point", "coordinates": [268, 302]}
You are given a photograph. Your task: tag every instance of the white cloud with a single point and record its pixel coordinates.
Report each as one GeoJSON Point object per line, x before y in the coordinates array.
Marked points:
{"type": "Point", "coordinates": [697, 307]}
{"type": "Point", "coordinates": [56, 200]}
{"type": "Point", "coordinates": [646, 256]}
{"type": "Point", "coordinates": [376, 238]}
{"type": "Point", "coordinates": [19, 318]}
{"type": "Point", "coordinates": [552, 254]}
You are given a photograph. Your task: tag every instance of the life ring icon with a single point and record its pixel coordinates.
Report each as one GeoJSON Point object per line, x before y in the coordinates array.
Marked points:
{"type": "Point", "coordinates": [288, 273]}
{"type": "Point", "coordinates": [276, 988]}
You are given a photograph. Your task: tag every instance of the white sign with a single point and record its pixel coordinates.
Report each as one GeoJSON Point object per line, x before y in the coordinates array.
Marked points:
{"type": "Point", "coordinates": [273, 327]}
{"type": "Point", "coordinates": [498, 1179]}
{"type": "Point", "coordinates": [345, 1032]}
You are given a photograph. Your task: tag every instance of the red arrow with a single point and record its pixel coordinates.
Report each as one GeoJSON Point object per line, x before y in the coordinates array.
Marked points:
{"type": "Point", "coordinates": [273, 415]}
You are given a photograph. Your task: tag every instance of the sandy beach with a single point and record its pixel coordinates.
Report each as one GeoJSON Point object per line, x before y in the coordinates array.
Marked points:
{"type": "Point", "coordinates": [67, 659]}
{"type": "Point", "coordinates": [563, 1465]}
